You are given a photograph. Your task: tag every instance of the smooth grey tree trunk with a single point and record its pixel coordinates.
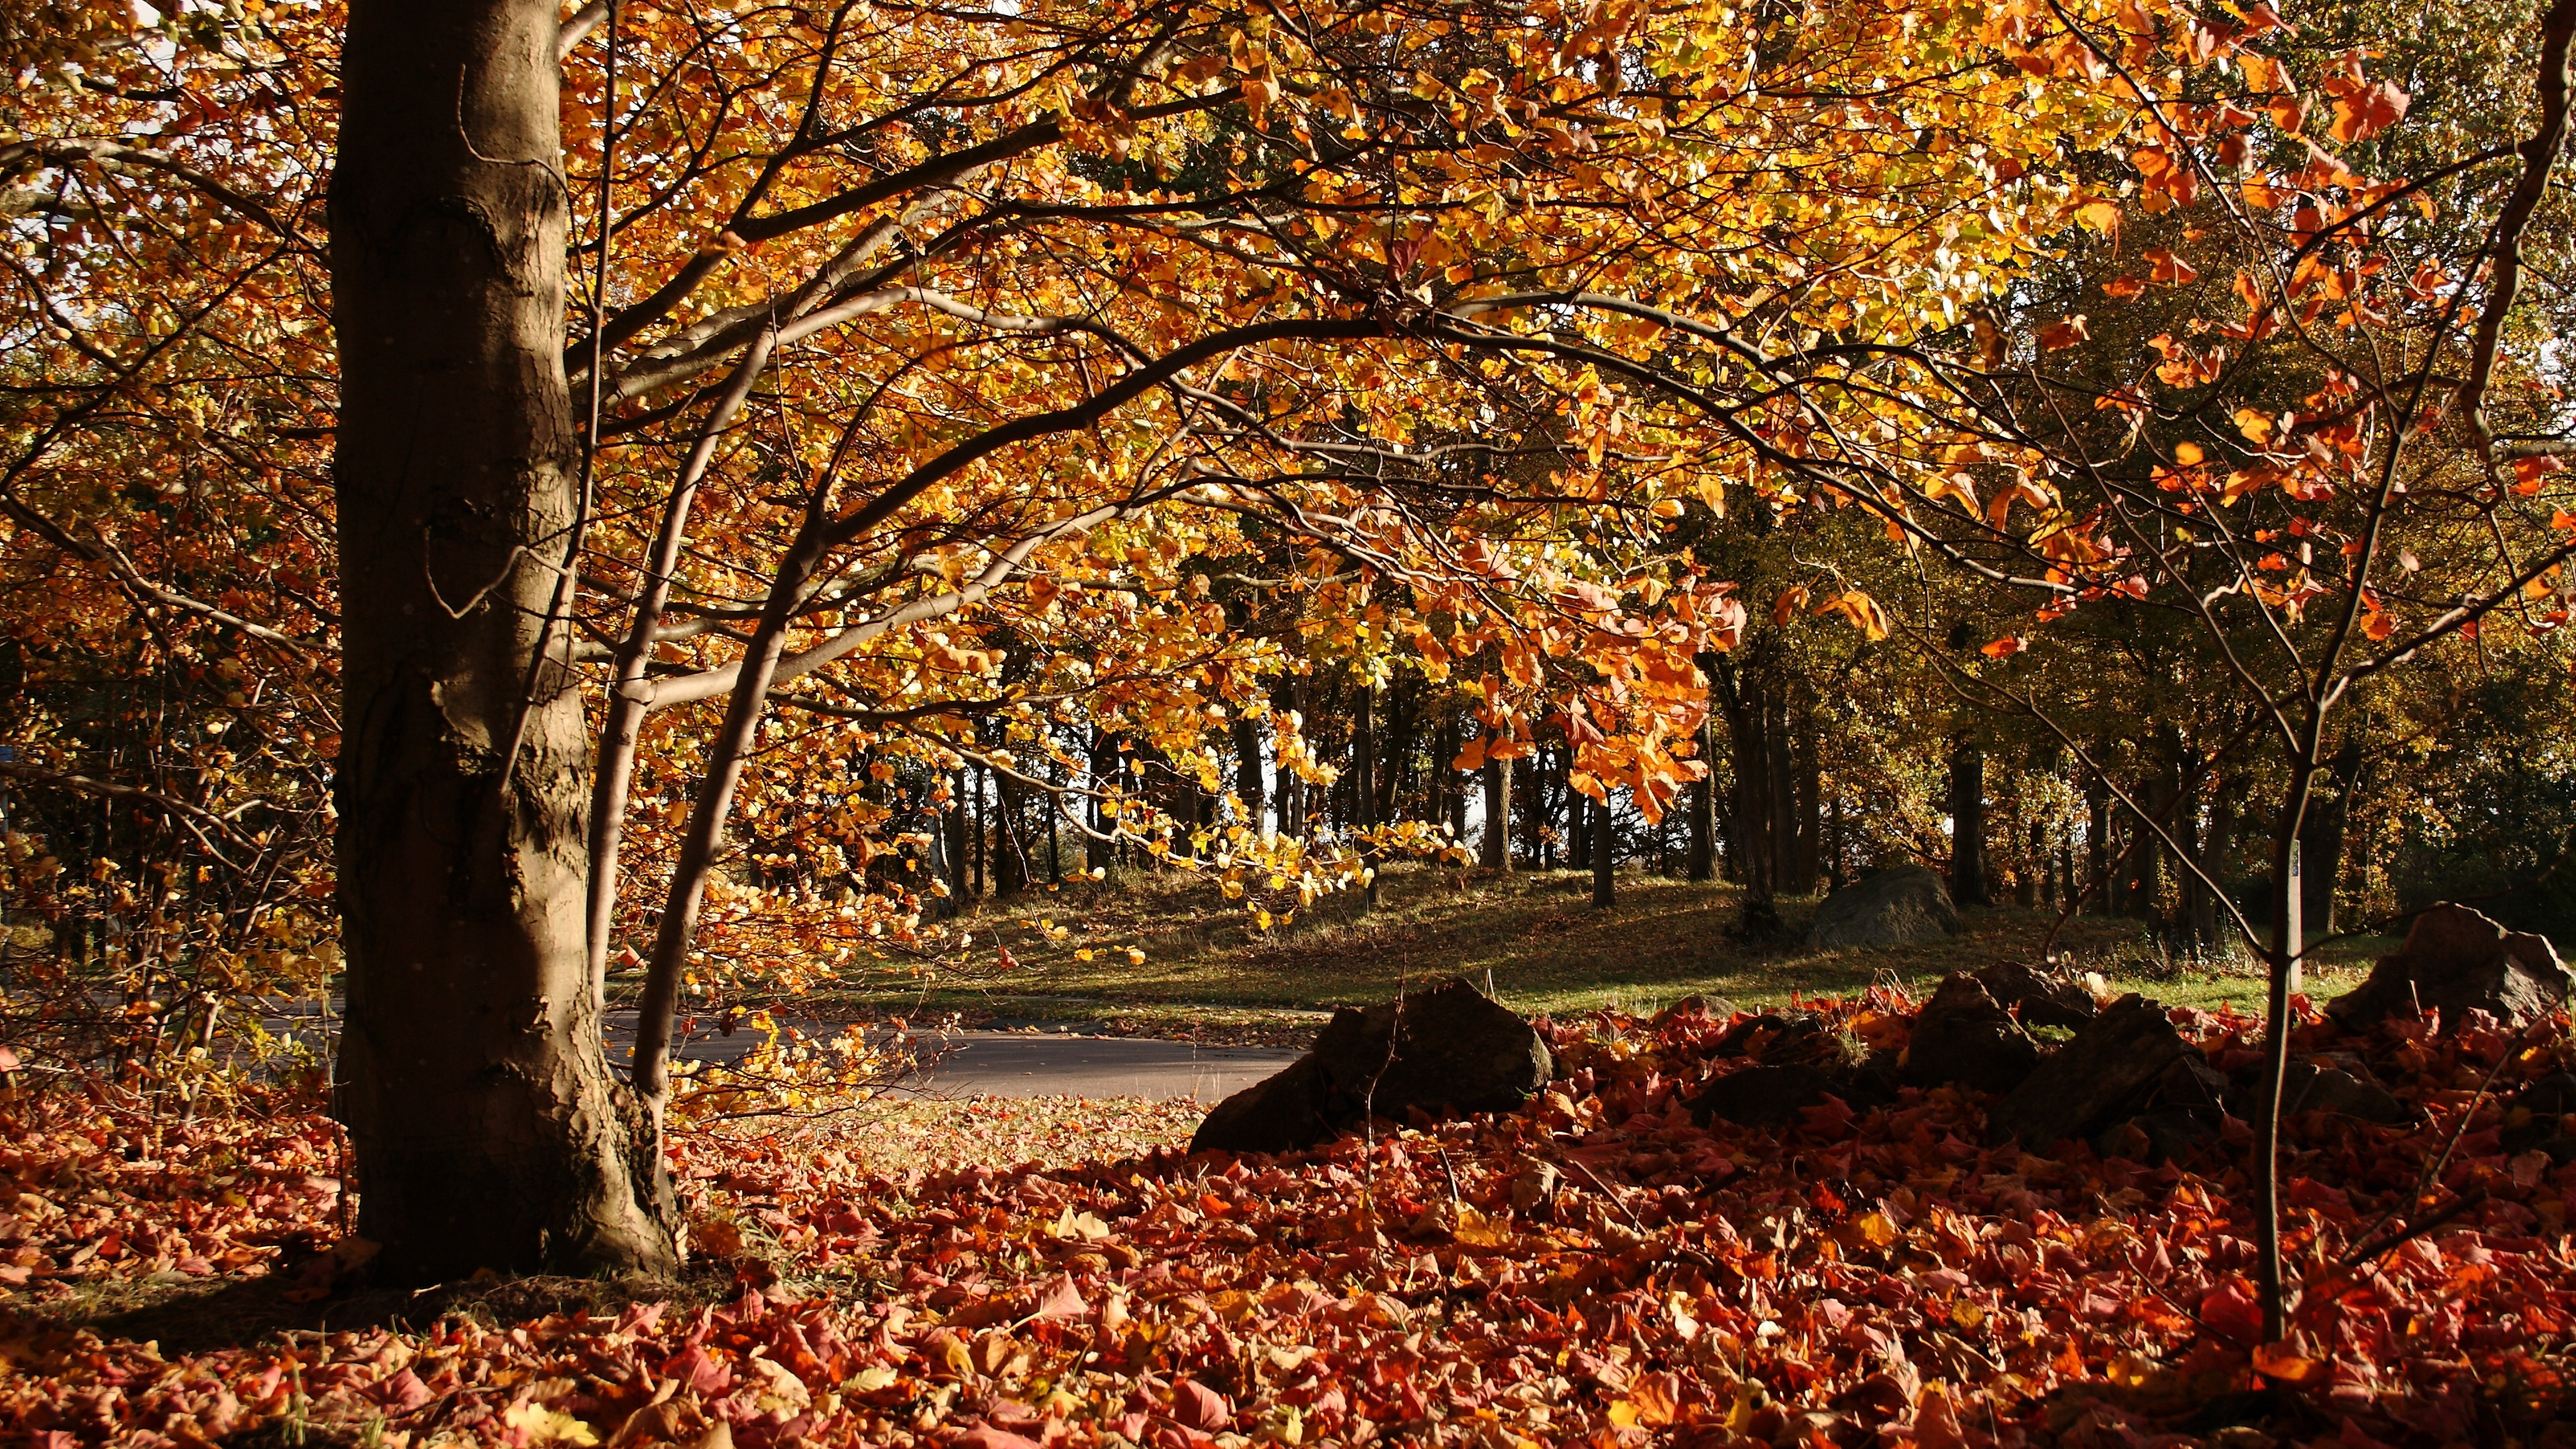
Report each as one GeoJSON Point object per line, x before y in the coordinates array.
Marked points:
{"type": "Point", "coordinates": [488, 1132]}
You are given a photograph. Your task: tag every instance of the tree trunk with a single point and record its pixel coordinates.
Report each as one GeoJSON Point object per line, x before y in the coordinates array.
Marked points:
{"type": "Point", "coordinates": [1807, 762]}
{"type": "Point", "coordinates": [1397, 776]}
{"type": "Point", "coordinates": [1535, 817]}
{"type": "Point", "coordinates": [1703, 809]}
{"type": "Point", "coordinates": [2097, 841]}
{"type": "Point", "coordinates": [1095, 851]}
{"type": "Point", "coordinates": [1968, 825]}
{"type": "Point", "coordinates": [488, 1131]}
{"type": "Point", "coordinates": [1497, 842]}
{"type": "Point", "coordinates": [1364, 789]}
{"type": "Point", "coordinates": [1603, 841]}
{"type": "Point", "coordinates": [2321, 840]}
{"type": "Point", "coordinates": [1010, 838]}
{"type": "Point", "coordinates": [1752, 819]}
{"type": "Point", "coordinates": [1247, 770]}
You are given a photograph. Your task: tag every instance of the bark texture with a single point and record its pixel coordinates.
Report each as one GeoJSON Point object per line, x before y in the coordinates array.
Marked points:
{"type": "Point", "coordinates": [487, 1129]}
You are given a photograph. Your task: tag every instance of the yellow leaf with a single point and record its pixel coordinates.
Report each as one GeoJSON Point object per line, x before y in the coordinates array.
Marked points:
{"type": "Point", "coordinates": [542, 1425]}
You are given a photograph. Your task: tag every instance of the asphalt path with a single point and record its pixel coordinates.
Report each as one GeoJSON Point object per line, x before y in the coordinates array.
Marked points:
{"type": "Point", "coordinates": [1043, 1063]}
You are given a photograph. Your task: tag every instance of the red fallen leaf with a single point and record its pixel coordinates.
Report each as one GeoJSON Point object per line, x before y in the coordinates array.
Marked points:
{"type": "Point", "coordinates": [1062, 1301]}
{"type": "Point", "coordinates": [1832, 1118]}
{"type": "Point", "coordinates": [699, 1372]}
{"type": "Point", "coordinates": [991, 1438]}
{"type": "Point", "coordinates": [401, 1393]}
{"type": "Point", "coordinates": [1200, 1407]}
{"type": "Point", "coordinates": [2283, 1361]}
{"type": "Point", "coordinates": [2231, 1311]}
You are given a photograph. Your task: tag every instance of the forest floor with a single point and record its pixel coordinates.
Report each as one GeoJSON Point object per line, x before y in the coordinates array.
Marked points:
{"type": "Point", "coordinates": [1602, 1267]}
{"type": "Point", "coordinates": [1532, 937]}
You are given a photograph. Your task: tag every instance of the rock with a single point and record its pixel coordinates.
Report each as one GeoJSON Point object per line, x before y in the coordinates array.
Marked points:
{"type": "Point", "coordinates": [1763, 1096]}
{"type": "Point", "coordinates": [2456, 960]}
{"type": "Point", "coordinates": [2536, 1115]}
{"type": "Point", "coordinates": [1286, 1112]}
{"type": "Point", "coordinates": [1963, 1035]}
{"type": "Point", "coordinates": [2037, 999]}
{"type": "Point", "coordinates": [1781, 1038]}
{"type": "Point", "coordinates": [1900, 906]}
{"type": "Point", "coordinates": [2167, 1134]}
{"type": "Point", "coordinates": [2111, 1063]}
{"type": "Point", "coordinates": [1449, 1049]}
{"type": "Point", "coordinates": [2311, 1087]}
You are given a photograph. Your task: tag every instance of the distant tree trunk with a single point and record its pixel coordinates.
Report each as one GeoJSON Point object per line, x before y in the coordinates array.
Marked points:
{"type": "Point", "coordinates": [1703, 809]}
{"type": "Point", "coordinates": [2321, 840]}
{"type": "Point", "coordinates": [954, 825]}
{"type": "Point", "coordinates": [1010, 837]}
{"type": "Point", "coordinates": [1578, 830]}
{"type": "Point", "coordinates": [1364, 789]}
{"type": "Point", "coordinates": [2097, 841]}
{"type": "Point", "coordinates": [1247, 769]}
{"type": "Point", "coordinates": [1604, 845]}
{"type": "Point", "coordinates": [1753, 832]}
{"type": "Point", "coordinates": [1453, 780]}
{"type": "Point", "coordinates": [1539, 816]}
{"type": "Point", "coordinates": [1968, 825]}
{"type": "Point", "coordinates": [1835, 864]}
{"type": "Point", "coordinates": [982, 827]}
{"type": "Point", "coordinates": [486, 1125]}
{"type": "Point", "coordinates": [2217, 848]}
{"type": "Point", "coordinates": [1053, 804]}
{"type": "Point", "coordinates": [1095, 851]}
{"type": "Point", "coordinates": [1397, 777]}
{"type": "Point", "coordinates": [1496, 845]}
{"type": "Point", "coordinates": [1807, 763]}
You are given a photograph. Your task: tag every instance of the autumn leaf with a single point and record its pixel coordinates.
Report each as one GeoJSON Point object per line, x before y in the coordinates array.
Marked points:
{"type": "Point", "coordinates": [1791, 600]}
{"type": "Point", "coordinates": [2058, 336]}
{"type": "Point", "coordinates": [2368, 111]}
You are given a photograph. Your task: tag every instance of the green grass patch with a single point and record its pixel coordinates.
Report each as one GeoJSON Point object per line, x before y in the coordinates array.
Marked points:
{"type": "Point", "coordinates": [1533, 935]}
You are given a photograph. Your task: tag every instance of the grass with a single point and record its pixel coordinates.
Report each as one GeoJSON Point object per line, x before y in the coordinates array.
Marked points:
{"type": "Point", "coordinates": [1533, 935]}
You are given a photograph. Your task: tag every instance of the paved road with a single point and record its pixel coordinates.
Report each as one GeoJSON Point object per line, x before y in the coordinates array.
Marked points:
{"type": "Point", "coordinates": [1039, 1064]}
{"type": "Point", "coordinates": [1012, 1064]}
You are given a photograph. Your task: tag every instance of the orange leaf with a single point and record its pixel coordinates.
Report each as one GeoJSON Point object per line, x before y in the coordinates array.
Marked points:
{"type": "Point", "coordinates": [2058, 336]}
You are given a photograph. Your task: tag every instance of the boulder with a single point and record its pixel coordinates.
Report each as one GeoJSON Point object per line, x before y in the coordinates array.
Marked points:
{"type": "Point", "coordinates": [2535, 1117]}
{"type": "Point", "coordinates": [1448, 1049]}
{"type": "Point", "coordinates": [2308, 1086]}
{"type": "Point", "coordinates": [2108, 1069]}
{"type": "Point", "coordinates": [1782, 1038]}
{"type": "Point", "coordinates": [2167, 1134]}
{"type": "Point", "coordinates": [1901, 906]}
{"type": "Point", "coordinates": [2037, 999]}
{"type": "Point", "coordinates": [2456, 960]}
{"type": "Point", "coordinates": [1964, 1035]}
{"type": "Point", "coordinates": [1764, 1096]}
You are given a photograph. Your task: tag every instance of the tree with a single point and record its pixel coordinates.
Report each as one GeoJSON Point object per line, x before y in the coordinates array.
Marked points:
{"type": "Point", "coordinates": [921, 374]}
{"type": "Point", "coordinates": [473, 1079]}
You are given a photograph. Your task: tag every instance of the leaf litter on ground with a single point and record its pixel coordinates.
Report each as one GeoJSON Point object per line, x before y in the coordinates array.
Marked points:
{"type": "Point", "coordinates": [1597, 1268]}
